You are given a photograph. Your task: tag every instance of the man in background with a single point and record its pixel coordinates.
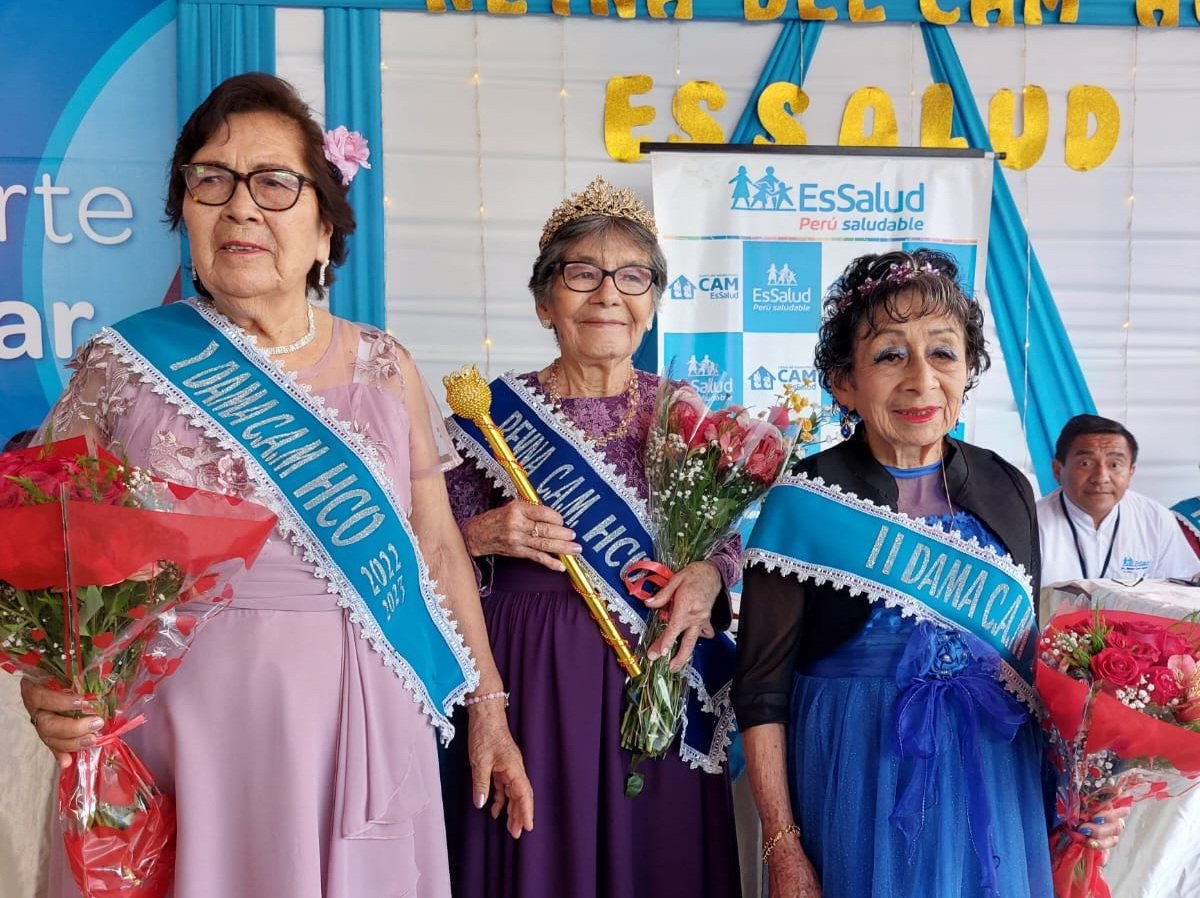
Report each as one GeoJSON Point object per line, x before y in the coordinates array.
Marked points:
{"type": "Point", "coordinates": [1094, 527]}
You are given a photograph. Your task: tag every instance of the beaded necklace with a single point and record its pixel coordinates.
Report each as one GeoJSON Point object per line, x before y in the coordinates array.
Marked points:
{"type": "Point", "coordinates": [632, 391]}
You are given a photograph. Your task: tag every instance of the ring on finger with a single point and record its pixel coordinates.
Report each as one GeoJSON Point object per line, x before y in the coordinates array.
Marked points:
{"type": "Point", "coordinates": [535, 532]}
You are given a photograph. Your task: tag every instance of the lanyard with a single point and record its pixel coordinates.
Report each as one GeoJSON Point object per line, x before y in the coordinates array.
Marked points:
{"type": "Point", "coordinates": [1075, 536]}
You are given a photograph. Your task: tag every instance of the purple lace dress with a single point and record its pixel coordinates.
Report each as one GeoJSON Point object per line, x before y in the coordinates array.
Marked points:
{"type": "Point", "coordinates": [589, 840]}
{"type": "Point", "coordinates": [299, 763]}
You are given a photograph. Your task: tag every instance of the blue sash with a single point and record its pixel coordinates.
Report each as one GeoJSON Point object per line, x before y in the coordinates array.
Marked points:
{"type": "Point", "coordinates": [819, 533]}
{"type": "Point", "coordinates": [608, 519]}
{"type": "Point", "coordinates": [332, 496]}
{"type": "Point", "coordinates": [1188, 511]}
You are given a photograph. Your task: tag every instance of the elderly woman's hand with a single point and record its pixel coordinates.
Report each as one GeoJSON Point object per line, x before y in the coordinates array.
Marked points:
{"type": "Point", "coordinates": [521, 530]}
{"type": "Point", "coordinates": [497, 767]}
{"type": "Point", "coordinates": [1104, 830]}
{"type": "Point", "coordinates": [791, 873]}
{"type": "Point", "coordinates": [688, 599]}
{"type": "Point", "coordinates": [56, 716]}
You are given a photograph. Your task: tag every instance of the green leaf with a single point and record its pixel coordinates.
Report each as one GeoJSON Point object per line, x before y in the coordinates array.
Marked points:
{"type": "Point", "coordinates": [633, 785]}
{"type": "Point", "coordinates": [93, 601]}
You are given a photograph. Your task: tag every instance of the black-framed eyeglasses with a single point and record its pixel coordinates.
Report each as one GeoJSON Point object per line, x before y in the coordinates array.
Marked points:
{"type": "Point", "coordinates": [272, 189]}
{"type": "Point", "coordinates": [584, 277]}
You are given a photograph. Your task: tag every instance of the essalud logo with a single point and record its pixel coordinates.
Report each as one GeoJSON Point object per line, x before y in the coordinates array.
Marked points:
{"type": "Point", "coordinates": [768, 192]}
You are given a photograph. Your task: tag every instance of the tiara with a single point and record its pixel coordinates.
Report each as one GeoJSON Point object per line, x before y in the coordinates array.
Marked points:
{"type": "Point", "coordinates": [896, 275]}
{"type": "Point", "coordinates": [598, 198]}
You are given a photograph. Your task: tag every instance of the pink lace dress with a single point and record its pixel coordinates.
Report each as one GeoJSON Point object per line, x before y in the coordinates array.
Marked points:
{"type": "Point", "coordinates": [301, 766]}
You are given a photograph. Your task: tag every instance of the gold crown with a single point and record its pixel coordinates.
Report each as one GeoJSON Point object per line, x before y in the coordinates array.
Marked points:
{"type": "Point", "coordinates": [599, 198]}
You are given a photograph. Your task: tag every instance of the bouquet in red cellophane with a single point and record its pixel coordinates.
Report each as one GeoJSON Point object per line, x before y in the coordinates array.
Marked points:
{"type": "Point", "coordinates": [1122, 695]}
{"type": "Point", "coordinates": [106, 574]}
{"type": "Point", "coordinates": [704, 468]}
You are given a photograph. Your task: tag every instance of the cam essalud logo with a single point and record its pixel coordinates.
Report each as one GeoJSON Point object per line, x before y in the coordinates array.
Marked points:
{"type": "Point", "coordinates": [844, 207]}
{"type": "Point", "coordinates": [782, 286]}
{"type": "Point", "coordinates": [775, 377]}
{"type": "Point", "coordinates": [711, 286]}
{"type": "Point", "coordinates": [711, 362]}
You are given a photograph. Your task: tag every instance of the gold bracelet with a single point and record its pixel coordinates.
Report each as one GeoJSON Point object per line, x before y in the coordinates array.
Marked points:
{"type": "Point", "coordinates": [770, 844]}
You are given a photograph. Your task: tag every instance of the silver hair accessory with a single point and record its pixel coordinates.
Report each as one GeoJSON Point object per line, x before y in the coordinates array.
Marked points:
{"type": "Point", "coordinates": [897, 275]}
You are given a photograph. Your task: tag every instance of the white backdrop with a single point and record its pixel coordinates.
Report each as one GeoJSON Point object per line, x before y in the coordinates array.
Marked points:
{"type": "Point", "coordinates": [1118, 244]}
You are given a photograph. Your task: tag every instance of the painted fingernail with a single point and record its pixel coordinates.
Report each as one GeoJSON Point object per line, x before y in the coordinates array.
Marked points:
{"type": "Point", "coordinates": [95, 725]}
{"type": "Point", "coordinates": [87, 741]}
{"type": "Point", "coordinates": [1085, 830]}
{"type": "Point", "coordinates": [1093, 844]}
{"type": "Point", "coordinates": [480, 798]}
{"type": "Point", "coordinates": [1097, 819]}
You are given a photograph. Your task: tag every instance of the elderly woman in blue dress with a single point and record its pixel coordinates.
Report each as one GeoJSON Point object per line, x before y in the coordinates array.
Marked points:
{"type": "Point", "coordinates": [884, 675]}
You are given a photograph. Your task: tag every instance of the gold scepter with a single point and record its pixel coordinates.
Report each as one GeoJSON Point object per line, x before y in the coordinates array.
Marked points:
{"type": "Point", "coordinates": [470, 397]}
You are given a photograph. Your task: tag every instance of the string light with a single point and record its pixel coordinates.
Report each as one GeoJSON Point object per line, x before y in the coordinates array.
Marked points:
{"type": "Point", "coordinates": [1128, 322]}
{"type": "Point", "coordinates": [483, 272]}
{"type": "Point", "coordinates": [562, 92]}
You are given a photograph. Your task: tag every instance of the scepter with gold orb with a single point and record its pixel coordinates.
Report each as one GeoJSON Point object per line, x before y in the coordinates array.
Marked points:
{"type": "Point", "coordinates": [470, 397]}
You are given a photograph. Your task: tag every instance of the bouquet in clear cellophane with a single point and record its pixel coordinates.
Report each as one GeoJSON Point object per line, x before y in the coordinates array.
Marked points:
{"type": "Point", "coordinates": [106, 575]}
{"type": "Point", "coordinates": [704, 468]}
{"type": "Point", "coordinates": [1122, 696]}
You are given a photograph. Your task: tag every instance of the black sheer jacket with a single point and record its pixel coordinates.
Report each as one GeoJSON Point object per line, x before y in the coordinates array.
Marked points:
{"type": "Point", "coordinates": [785, 624]}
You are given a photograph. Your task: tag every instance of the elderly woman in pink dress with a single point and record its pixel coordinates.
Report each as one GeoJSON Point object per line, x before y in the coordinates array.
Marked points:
{"type": "Point", "coordinates": [299, 736]}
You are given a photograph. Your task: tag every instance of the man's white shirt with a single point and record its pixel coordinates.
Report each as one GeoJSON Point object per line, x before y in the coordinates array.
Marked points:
{"type": "Point", "coordinates": [1148, 543]}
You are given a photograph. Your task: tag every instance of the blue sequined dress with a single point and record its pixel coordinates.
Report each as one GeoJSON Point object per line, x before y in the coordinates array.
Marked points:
{"type": "Point", "coordinates": [909, 763]}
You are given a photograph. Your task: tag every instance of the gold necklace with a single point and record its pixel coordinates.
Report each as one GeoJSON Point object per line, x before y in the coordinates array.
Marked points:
{"type": "Point", "coordinates": [632, 391]}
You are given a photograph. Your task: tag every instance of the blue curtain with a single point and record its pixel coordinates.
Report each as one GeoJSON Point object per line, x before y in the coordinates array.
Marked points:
{"type": "Point", "coordinates": [216, 41]}
{"type": "Point", "coordinates": [353, 97]}
{"type": "Point", "coordinates": [1047, 382]}
{"type": "Point", "coordinates": [789, 61]}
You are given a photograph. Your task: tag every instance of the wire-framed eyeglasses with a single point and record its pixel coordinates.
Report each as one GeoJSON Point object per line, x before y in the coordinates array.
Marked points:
{"type": "Point", "coordinates": [272, 189]}
{"type": "Point", "coordinates": [584, 277]}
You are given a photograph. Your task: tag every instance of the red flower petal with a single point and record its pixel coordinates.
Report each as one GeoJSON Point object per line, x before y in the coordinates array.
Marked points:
{"type": "Point", "coordinates": [37, 634]}
{"type": "Point", "coordinates": [102, 640]}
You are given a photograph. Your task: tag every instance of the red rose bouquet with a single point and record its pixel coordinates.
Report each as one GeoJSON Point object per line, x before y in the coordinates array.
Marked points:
{"type": "Point", "coordinates": [704, 469]}
{"type": "Point", "coordinates": [1122, 695]}
{"type": "Point", "coordinates": [105, 576]}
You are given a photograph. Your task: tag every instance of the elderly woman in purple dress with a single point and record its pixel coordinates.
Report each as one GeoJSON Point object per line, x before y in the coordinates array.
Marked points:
{"type": "Point", "coordinates": [579, 427]}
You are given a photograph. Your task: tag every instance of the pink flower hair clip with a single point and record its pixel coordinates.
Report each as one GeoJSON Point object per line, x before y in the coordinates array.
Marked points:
{"type": "Point", "coordinates": [347, 150]}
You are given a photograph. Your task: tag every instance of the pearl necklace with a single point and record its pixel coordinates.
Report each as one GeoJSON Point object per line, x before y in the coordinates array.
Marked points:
{"type": "Point", "coordinates": [632, 391]}
{"type": "Point", "coordinates": [299, 344]}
